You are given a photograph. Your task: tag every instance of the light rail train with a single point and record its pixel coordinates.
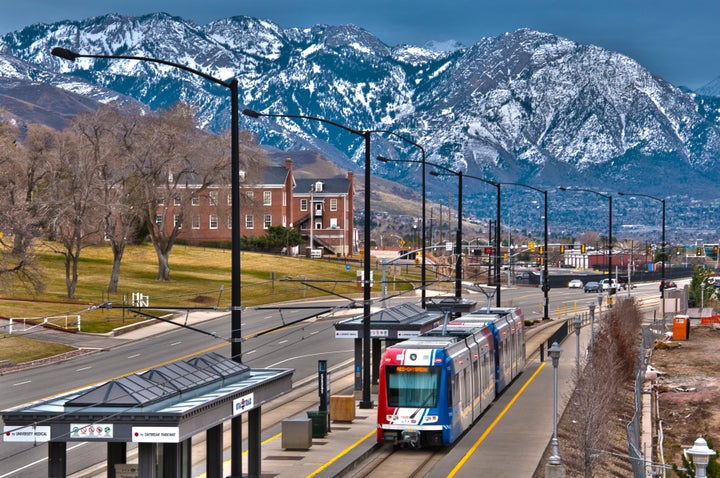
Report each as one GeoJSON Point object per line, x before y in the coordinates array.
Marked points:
{"type": "Point", "coordinates": [434, 386]}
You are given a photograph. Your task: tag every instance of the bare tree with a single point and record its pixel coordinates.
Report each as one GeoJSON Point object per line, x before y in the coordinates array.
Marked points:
{"type": "Point", "coordinates": [175, 163]}
{"type": "Point", "coordinates": [597, 400]}
{"type": "Point", "coordinates": [71, 200]}
{"type": "Point", "coordinates": [21, 168]}
{"type": "Point", "coordinates": [106, 134]}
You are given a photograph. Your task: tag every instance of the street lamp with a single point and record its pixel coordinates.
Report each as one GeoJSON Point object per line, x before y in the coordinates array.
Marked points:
{"type": "Point", "coordinates": [662, 267]}
{"type": "Point", "coordinates": [366, 401]}
{"type": "Point", "coordinates": [423, 276]}
{"type": "Point", "coordinates": [458, 237]}
{"type": "Point", "coordinates": [236, 307]}
{"type": "Point", "coordinates": [610, 199]}
{"type": "Point", "coordinates": [545, 285]}
{"type": "Point", "coordinates": [554, 352]}
{"type": "Point", "coordinates": [700, 454]}
{"type": "Point", "coordinates": [497, 220]}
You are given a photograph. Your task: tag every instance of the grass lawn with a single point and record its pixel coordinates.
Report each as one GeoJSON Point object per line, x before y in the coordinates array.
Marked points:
{"type": "Point", "coordinates": [23, 349]}
{"type": "Point", "coordinates": [200, 277]}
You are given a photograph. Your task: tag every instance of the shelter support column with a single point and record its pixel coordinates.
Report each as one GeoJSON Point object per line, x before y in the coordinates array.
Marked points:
{"type": "Point", "coordinates": [116, 454]}
{"type": "Point", "coordinates": [147, 460]}
{"type": "Point", "coordinates": [213, 451]}
{"type": "Point", "coordinates": [376, 355]}
{"type": "Point", "coordinates": [236, 434]}
{"type": "Point", "coordinates": [254, 441]}
{"type": "Point", "coordinates": [57, 459]}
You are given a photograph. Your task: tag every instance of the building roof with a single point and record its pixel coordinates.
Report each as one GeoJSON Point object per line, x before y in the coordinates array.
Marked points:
{"type": "Point", "coordinates": [330, 186]}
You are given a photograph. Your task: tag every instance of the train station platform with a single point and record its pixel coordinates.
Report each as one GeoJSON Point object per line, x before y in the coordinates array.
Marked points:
{"type": "Point", "coordinates": [347, 443]}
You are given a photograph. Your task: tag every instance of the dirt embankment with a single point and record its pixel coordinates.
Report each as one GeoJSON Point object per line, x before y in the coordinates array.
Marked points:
{"type": "Point", "coordinates": [688, 391]}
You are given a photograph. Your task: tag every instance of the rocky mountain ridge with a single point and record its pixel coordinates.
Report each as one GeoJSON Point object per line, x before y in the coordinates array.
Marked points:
{"type": "Point", "coordinates": [526, 106]}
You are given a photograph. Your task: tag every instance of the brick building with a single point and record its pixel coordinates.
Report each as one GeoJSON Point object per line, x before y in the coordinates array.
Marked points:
{"type": "Point", "coordinates": [277, 199]}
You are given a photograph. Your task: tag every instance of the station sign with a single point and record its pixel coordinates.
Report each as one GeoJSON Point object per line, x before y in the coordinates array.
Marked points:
{"type": "Point", "coordinates": [243, 404]}
{"type": "Point", "coordinates": [26, 434]}
{"type": "Point", "coordinates": [155, 435]}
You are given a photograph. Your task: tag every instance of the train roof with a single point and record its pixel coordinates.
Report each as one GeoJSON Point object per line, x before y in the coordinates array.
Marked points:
{"type": "Point", "coordinates": [441, 336]}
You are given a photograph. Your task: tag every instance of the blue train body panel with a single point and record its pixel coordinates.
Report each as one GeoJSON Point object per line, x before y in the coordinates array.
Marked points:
{"type": "Point", "coordinates": [435, 386]}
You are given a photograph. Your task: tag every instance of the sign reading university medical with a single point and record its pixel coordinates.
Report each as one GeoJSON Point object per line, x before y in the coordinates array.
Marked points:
{"type": "Point", "coordinates": [26, 434]}
{"type": "Point", "coordinates": [243, 404]}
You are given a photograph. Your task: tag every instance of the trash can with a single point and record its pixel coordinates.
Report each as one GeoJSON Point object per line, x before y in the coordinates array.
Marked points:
{"type": "Point", "coordinates": [319, 423]}
{"type": "Point", "coordinates": [681, 327]}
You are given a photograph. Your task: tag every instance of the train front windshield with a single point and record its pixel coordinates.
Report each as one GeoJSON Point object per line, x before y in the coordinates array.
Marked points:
{"type": "Point", "coordinates": [412, 386]}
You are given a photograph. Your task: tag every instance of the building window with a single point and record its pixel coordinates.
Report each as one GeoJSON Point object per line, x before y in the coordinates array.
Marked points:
{"type": "Point", "coordinates": [195, 200]}
{"type": "Point", "coordinates": [229, 221]}
{"type": "Point", "coordinates": [213, 197]}
{"type": "Point", "coordinates": [249, 222]}
{"type": "Point", "coordinates": [161, 202]}
{"type": "Point", "coordinates": [196, 222]}
{"type": "Point", "coordinates": [250, 195]}
{"type": "Point", "coordinates": [333, 204]}
{"type": "Point", "coordinates": [267, 222]}
{"type": "Point", "coordinates": [176, 221]}
{"type": "Point", "coordinates": [159, 220]}
{"type": "Point", "coordinates": [267, 198]}
{"type": "Point", "coordinates": [176, 201]}
{"type": "Point", "coordinates": [213, 221]}
{"type": "Point", "coordinates": [229, 199]}
{"type": "Point", "coordinates": [303, 204]}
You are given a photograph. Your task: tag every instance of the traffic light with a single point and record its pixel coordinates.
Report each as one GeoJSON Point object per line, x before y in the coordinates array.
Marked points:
{"type": "Point", "coordinates": [649, 250]}
{"type": "Point", "coordinates": [715, 250]}
{"type": "Point", "coordinates": [505, 257]}
{"type": "Point", "coordinates": [677, 251]}
{"type": "Point", "coordinates": [538, 260]}
{"type": "Point", "coordinates": [698, 251]}
{"type": "Point", "coordinates": [562, 248]}
{"type": "Point", "coordinates": [540, 250]}
{"type": "Point", "coordinates": [531, 246]}
{"type": "Point", "coordinates": [582, 248]}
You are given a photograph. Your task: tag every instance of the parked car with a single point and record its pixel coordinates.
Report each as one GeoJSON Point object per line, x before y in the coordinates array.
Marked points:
{"type": "Point", "coordinates": [575, 284]}
{"type": "Point", "coordinates": [592, 286]}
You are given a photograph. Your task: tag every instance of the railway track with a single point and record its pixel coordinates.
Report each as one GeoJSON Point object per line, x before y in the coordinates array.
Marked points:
{"type": "Point", "coordinates": [389, 460]}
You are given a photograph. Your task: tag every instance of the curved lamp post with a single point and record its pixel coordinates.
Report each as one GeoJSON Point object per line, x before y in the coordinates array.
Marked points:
{"type": "Point", "coordinates": [236, 307]}
{"type": "Point", "coordinates": [366, 401]}
{"type": "Point", "coordinates": [497, 233]}
{"type": "Point", "coordinates": [423, 239]}
{"type": "Point", "coordinates": [610, 199]}
{"type": "Point", "coordinates": [458, 236]}
{"type": "Point", "coordinates": [545, 285]}
{"type": "Point", "coordinates": [662, 249]}
{"type": "Point", "coordinates": [497, 219]}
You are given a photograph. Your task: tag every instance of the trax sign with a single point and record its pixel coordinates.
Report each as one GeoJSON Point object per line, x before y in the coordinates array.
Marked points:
{"type": "Point", "coordinates": [243, 404]}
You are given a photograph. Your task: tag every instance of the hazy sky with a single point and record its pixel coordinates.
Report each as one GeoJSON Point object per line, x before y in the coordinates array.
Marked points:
{"type": "Point", "coordinates": [680, 41]}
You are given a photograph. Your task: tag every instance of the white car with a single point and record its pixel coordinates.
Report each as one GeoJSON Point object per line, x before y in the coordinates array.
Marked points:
{"type": "Point", "coordinates": [609, 284]}
{"type": "Point", "coordinates": [575, 284]}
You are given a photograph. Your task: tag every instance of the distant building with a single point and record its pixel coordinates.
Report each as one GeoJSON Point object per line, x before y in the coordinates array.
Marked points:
{"type": "Point", "coordinates": [320, 208]}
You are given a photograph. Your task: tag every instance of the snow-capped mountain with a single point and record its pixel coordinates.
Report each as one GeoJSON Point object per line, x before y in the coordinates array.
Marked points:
{"type": "Point", "coordinates": [525, 106]}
